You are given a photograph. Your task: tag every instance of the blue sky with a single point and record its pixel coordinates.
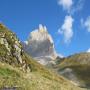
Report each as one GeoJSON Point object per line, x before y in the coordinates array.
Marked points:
{"type": "Point", "coordinates": [68, 21]}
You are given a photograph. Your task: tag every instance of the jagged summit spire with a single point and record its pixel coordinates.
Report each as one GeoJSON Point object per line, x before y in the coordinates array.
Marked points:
{"type": "Point", "coordinates": [40, 34]}
{"type": "Point", "coordinates": [42, 28]}
{"type": "Point", "coordinates": [40, 45]}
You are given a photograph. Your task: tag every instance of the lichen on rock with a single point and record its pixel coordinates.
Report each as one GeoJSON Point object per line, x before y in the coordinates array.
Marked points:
{"type": "Point", "coordinates": [11, 49]}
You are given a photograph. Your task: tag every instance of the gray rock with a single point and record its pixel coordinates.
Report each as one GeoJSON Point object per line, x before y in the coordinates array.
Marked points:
{"type": "Point", "coordinates": [40, 45]}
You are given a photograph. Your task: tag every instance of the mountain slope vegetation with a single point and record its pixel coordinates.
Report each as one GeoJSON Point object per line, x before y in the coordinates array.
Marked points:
{"type": "Point", "coordinates": [19, 71]}
{"type": "Point", "coordinates": [76, 68]}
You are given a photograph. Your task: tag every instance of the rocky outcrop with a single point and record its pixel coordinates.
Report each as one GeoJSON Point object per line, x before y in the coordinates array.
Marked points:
{"type": "Point", "coordinates": [40, 45]}
{"type": "Point", "coordinates": [3, 41]}
{"type": "Point", "coordinates": [11, 50]}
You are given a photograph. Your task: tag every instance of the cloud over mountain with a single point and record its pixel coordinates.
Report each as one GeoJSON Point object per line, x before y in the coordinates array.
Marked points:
{"type": "Point", "coordinates": [71, 8]}
{"type": "Point", "coordinates": [66, 29]}
{"type": "Point", "coordinates": [66, 4]}
{"type": "Point", "coordinates": [86, 23]}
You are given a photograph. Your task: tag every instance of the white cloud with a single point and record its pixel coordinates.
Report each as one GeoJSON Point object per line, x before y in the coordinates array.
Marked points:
{"type": "Point", "coordinates": [82, 22]}
{"type": "Point", "coordinates": [86, 23]}
{"type": "Point", "coordinates": [67, 4]}
{"type": "Point", "coordinates": [78, 6]}
{"type": "Point", "coordinates": [71, 6]}
{"type": "Point", "coordinates": [88, 50]}
{"type": "Point", "coordinates": [66, 29]}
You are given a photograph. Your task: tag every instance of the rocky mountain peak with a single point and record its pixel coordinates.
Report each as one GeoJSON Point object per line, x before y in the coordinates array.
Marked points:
{"type": "Point", "coordinates": [40, 34]}
{"type": "Point", "coordinates": [40, 45]}
{"type": "Point", "coordinates": [42, 28]}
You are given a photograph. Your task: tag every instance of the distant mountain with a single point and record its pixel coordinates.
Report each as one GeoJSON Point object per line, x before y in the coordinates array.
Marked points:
{"type": "Point", "coordinates": [18, 71]}
{"type": "Point", "coordinates": [40, 45]}
{"type": "Point", "coordinates": [75, 68]}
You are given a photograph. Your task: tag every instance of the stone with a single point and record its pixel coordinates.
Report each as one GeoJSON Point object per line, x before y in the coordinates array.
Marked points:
{"type": "Point", "coordinates": [40, 45]}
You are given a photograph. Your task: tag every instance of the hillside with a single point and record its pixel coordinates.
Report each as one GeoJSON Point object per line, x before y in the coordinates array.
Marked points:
{"type": "Point", "coordinates": [76, 68]}
{"type": "Point", "coordinates": [19, 71]}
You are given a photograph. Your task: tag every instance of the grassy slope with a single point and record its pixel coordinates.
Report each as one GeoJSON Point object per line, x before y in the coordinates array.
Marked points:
{"type": "Point", "coordinates": [38, 79]}
{"type": "Point", "coordinates": [41, 79]}
{"type": "Point", "coordinates": [80, 65]}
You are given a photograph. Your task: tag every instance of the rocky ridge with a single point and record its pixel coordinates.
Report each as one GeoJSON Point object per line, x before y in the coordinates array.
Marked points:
{"type": "Point", "coordinates": [10, 49]}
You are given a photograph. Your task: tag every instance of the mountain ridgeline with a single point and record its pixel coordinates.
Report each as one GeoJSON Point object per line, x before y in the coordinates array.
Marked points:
{"type": "Point", "coordinates": [75, 68]}
{"type": "Point", "coordinates": [20, 71]}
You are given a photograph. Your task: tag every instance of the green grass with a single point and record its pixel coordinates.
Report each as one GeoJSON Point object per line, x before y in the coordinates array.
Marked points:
{"type": "Point", "coordinates": [80, 65]}
{"type": "Point", "coordinates": [39, 78]}
{"type": "Point", "coordinates": [42, 80]}
{"type": "Point", "coordinates": [83, 73]}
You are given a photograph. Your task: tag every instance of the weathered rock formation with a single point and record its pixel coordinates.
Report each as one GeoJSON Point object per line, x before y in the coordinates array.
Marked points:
{"type": "Point", "coordinates": [40, 45]}
{"type": "Point", "coordinates": [11, 50]}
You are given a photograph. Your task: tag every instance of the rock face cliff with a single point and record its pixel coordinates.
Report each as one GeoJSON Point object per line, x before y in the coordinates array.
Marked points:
{"type": "Point", "coordinates": [40, 45]}
{"type": "Point", "coordinates": [11, 51]}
